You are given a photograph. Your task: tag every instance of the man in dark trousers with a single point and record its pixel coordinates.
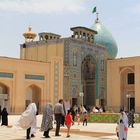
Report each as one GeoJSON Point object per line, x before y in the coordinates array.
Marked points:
{"type": "Point", "coordinates": [131, 118]}
{"type": "Point", "coordinates": [59, 114]}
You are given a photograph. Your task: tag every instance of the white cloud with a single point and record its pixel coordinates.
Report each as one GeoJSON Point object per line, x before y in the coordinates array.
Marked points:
{"type": "Point", "coordinates": [135, 8]}
{"type": "Point", "coordinates": [43, 6]}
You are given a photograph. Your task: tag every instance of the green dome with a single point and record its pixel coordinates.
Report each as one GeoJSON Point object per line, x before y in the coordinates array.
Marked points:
{"type": "Point", "coordinates": [105, 38]}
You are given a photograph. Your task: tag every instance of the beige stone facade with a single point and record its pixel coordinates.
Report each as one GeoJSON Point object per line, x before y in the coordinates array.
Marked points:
{"type": "Point", "coordinates": [79, 54]}
{"type": "Point", "coordinates": [53, 68]}
{"type": "Point", "coordinates": [24, 81]}
{"type": "Point", "coordinates": [123, 83]}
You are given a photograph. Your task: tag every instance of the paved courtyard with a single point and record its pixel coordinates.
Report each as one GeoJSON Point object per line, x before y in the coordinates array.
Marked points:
{"type": "Point", "coordinates": [94, 131]}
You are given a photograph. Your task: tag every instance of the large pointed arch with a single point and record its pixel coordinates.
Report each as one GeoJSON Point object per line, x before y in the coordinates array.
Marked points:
{"type": "Point", "coordinates": [33, 94]}
{"type": "Point", "coordinates": [88, 80]}
{"type": "Point", "coordinates": [127, 90]}
{"type": "Point", "coordinates": [4, 96]}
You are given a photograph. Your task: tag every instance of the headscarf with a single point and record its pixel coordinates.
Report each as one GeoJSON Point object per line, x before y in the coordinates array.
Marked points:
{"type": "Point", "coordinates": [27, 117]}
{"type": "Point", "coordinates": [125, 119]}
{"type": "Point", "coordinates": [123, 126]}
{"type": "Point", "coordinates": [49, 109]}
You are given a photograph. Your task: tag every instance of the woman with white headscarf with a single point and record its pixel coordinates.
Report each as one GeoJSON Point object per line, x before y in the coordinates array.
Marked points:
{"type": "Point", "coordinates": [28, 119]}
{"type": "Point", "coordinates": [47, 120]}
{"type": "Point", "coordinates": [123, 126]}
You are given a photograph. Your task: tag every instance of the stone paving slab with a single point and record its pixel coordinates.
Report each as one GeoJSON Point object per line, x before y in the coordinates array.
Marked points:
{"type": "Point", "coordinates": [93, 131]}
{"type": "Point", "coordinates": [14, 134]}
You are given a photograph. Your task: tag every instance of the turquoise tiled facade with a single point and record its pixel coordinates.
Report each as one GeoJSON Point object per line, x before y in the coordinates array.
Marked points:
{"type": "Point", "coordinates": [83, 50]}
{"type": "Point", "coordinates": [76, 55]}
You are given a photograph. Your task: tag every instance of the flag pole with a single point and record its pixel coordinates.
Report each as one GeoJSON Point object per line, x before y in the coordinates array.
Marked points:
{"type": "Point", "coordinates": [97, 18]}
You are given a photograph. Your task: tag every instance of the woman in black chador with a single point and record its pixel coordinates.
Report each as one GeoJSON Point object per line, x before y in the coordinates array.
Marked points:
{"type": "Point", "coordinates": [4, 115]}
{"type": "Point", "coordinates": [0, 113]}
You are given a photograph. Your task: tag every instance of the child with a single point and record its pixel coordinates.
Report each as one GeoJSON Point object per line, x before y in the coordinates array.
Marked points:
{"type": "Point", "coordinates": [78, 118]}
{"type": "Point", "coordinates": [85, 117]}
{"type": "Point", "coordinates": [117, 130]}
{"type": "Point", "coordinates": [68, 122]}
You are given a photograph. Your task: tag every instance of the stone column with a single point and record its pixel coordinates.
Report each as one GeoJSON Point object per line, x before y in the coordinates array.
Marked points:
{"type": "Point", "coordinates": [78, 35]}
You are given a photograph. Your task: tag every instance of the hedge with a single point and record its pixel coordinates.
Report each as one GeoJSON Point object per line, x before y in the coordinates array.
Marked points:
{"type": "Point", "coordinates": [103, 117]}
{"type": "Point", "coordinates": [107, 117]}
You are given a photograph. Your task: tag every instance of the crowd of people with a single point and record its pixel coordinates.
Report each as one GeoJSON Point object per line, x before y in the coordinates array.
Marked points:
{"type": "Point", "coordinates": [63, 116]}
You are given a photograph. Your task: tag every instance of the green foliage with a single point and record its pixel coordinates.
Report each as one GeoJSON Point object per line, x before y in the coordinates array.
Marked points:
{"type": "Point", "coordinates": [137, 118]}
{"type": "Point", "coordinates": [102, 117]}
{"type": "Point", "coordinates": [107, 117]}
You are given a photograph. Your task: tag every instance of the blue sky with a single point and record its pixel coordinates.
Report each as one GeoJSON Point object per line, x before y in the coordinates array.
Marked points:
{"type": "Point", "coordinates": [121, 17]}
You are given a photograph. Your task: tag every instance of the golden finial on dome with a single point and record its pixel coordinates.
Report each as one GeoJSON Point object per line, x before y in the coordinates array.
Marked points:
{"type": "Point", "coordinates": [30, 28]}
{"type": "Point", "coordinates": [29, 35]}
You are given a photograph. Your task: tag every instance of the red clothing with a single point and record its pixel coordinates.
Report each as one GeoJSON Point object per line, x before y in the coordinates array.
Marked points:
{"type": "Point", "coordinates": [78, 115]}
{"type": "Point", "coordinates": [68, 119]}
{"type": "Point", "coordinates": [85, 116]}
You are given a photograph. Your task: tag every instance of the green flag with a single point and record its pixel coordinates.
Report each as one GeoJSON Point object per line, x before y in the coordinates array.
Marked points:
{"type": "Point", "coordinates": [94, 10]}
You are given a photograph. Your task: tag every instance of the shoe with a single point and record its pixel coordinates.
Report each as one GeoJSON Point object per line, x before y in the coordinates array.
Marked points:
{"type": "Point", "coordinates": [68, 136]}
{"type": "Point", "coordinates": [32, 135]}
{"type": "Point", "coordinates": [58, 135]}
{"type": "Point", "coordinates": [47, 137]}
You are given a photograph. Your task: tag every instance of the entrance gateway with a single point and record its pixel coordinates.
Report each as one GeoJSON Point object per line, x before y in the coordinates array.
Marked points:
{"type": "Point", "coordinates": [88, 69]}
{"type": "Point", "coordinates": [84, 68]}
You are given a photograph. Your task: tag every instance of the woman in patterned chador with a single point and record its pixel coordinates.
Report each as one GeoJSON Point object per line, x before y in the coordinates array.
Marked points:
{"type": "Point", "coordinates": [47, 120]}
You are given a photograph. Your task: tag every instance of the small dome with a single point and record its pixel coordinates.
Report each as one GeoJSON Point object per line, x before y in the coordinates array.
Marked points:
{"type": "Point", "coordinates": [105, 38]}
{"type": "Point", "coordinates": [29, 35]}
